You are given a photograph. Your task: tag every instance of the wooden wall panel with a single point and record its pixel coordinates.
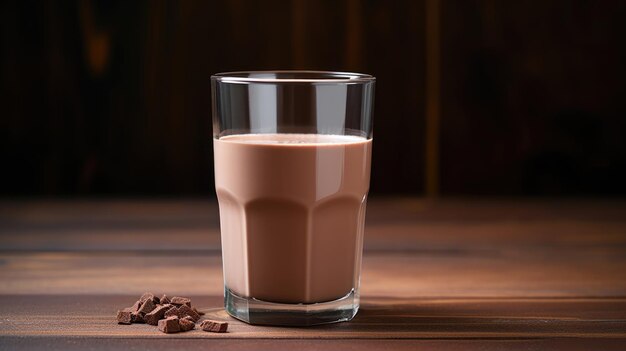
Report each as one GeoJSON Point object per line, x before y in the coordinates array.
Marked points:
{"type": "Point", "coordinates": [112, 97]}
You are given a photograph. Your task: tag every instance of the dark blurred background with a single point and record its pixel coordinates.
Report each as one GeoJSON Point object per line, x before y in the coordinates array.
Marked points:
{"type": "Point", "coordinates": [111, 98]}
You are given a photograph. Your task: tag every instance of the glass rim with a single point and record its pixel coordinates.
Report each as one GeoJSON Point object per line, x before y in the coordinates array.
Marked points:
{"type": "Point", "coordinates": [292, 76]}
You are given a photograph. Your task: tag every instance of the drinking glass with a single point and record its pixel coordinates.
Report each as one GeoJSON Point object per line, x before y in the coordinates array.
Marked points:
{"type": "Point", "coordinates": [292, 171]}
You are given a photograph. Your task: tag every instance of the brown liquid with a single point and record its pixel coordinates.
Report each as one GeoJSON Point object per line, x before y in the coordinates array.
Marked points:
{"type": "Point", "coordinates": [292, 212]}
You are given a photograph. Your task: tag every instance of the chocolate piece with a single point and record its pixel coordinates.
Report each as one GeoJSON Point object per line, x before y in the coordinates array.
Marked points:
{"type": "Point", "coordinates": [169, 325]}
{"type": "Point", "coordinates": [136, 305]}
{"type": "Point", "coordinates": [173, 311]}
{"type": "Point", "coordinates": [158, 313]}
{"type": "Point", "coordinates": [124, 316]}
{"type": "Point", "coordinates": [147, 307]}
{"type": "Point", "coordinates": [214, 326]}
{"type": "Point", "coordinates": [182, 312]}
{"type": "Point", "coordinates": [137, 317]}
{"type": "Point", "coordinates": [177, 300]}
{"type": "Point", "coordinates": [186, 324]}
{"type": "Point", "coordinates": [200, 313]}
{"type": "Point", "coordinates": [171, 315]}
{"type": "Point", "coordinates": [146, 296]}
{"type": "Point", "coordinates": [189, 319]}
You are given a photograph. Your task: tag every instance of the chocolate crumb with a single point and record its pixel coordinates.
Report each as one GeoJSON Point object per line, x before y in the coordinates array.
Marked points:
{"type": "Point", "coordinates": [124, 316]}
{"type": "Point", "coordinates": [177, 300]}
{"type": "Point", "coordinates": [214, 326]}
{"type": "Point", "coordinates": [169, 325]}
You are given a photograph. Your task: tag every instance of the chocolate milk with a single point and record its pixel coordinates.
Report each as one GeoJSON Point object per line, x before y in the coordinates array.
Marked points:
{"type": "Point", "coordinates": [292, 212]}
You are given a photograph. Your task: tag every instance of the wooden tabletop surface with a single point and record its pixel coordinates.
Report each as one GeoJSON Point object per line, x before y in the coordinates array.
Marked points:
{"type": "Point", "coordinates": [437, 275]}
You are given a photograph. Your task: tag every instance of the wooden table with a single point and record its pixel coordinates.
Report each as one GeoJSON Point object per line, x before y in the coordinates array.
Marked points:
{"type": "Point", "coordinates": [442, 275]}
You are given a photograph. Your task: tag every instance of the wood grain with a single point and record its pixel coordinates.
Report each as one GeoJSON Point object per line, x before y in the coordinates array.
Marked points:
{"type": "Point", "coordinates": [397, 224]}
{"type": "Point", "coordinates": [68, 344]}
{"type": "Point", "coordinates": [595, 273]}
{"type": "Point", "coordinates": [379, 318]}
{"type": "Point", "coordinates": [449, 274]}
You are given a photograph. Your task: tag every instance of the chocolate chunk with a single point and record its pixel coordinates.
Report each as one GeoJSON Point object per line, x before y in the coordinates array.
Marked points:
{"type": "Point", "coordinates": [177, 300]}
{"type": "Point", "coordinates": [135, 307]}
{"type": "Point", "coordinates": [186, 324]}
{"type": "Point", "coordinates": [169, 325]}
{"type": "Point", "coordinates": [189, 319]}
{"type": "Point", "coordinates": [172, 311]}
{"type": "Point", "coordinates": [153, 317]}
{"type": "Point", "coordinates": [149, 296]}
{"type": "Point", "coordinates": [182, 312]}
{"type": "Point", "coordinates": [147, 307]}
{"type": "Point", "coordinates": [137, 317]}
{"type": "Point", "coordinates": [171, 315]}
{"type": "Point", "coordinates": [124, 316]}
{"type": "Point", "coordinates": [146, 296]}
{"type": "Point", "coordinates": [214, 326]}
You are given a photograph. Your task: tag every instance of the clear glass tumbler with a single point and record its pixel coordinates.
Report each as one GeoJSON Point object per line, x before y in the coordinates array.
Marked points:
{"type": "Point", "coordinates": [292, 172]}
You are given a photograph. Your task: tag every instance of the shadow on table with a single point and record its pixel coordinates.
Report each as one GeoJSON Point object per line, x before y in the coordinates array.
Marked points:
{"type": "Point", "coordinates": [486, 318]}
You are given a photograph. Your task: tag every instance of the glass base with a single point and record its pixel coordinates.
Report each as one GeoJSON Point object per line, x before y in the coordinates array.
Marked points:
{"type": "Point", "coordinates": [253, 311]}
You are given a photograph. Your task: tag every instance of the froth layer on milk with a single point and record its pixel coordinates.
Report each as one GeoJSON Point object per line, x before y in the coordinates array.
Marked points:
{"type": "Point", "coordinates": [293, 139]}
{"type": "Point", "coordinates": [292, 212]}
